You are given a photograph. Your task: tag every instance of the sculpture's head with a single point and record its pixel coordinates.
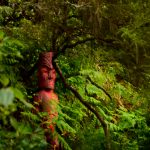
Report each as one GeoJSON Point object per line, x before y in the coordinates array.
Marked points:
{"type": "Point", "coordinates": [46, 71]}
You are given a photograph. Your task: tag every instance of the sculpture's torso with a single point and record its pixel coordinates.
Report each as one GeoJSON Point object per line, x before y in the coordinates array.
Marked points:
{"type": "Point", "coordinates": [45, 99]}
{"type": "Point", "coordinates": [47, 102]}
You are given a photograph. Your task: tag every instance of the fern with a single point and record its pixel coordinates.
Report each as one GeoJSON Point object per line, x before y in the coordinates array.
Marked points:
{"type": "Point", "coordinates": [64, 143]}
{"type": "Point", "coordinates": [30, 116]}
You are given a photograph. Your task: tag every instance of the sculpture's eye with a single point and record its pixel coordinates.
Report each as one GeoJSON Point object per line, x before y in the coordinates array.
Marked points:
{"type": "Point", "coordinates": [53, 71]}
{"type": "Point", "coordinates": [44, 70]}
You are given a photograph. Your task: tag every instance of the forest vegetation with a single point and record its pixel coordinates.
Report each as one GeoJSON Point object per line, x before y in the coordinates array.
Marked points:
{"type": "Point", "coordinates": [102, 59]}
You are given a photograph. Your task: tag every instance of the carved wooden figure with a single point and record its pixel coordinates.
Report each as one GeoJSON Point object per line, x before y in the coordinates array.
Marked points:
{"type": "Point", "coordinates": [45, 99]}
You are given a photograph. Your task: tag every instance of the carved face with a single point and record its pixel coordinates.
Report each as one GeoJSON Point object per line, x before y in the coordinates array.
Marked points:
{"type": "Point", "coordinates": [46, 77]}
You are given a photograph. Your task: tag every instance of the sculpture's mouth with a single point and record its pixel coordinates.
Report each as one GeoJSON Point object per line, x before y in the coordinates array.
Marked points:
{"type": "Point", "coordinates": [49, 84]}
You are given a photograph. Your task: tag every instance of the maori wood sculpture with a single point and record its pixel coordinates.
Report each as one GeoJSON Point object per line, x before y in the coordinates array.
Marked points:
{"type": "Point", "coordinates": [45, 99]}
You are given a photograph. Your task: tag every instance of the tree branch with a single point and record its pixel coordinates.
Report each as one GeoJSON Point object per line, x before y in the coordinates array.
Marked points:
{"type": "Point", "coordinates": [87, 105]}
{"type": "Point", "coordinates": [95, 84]}
{"type": "Point", "coordinates": [63, 49]}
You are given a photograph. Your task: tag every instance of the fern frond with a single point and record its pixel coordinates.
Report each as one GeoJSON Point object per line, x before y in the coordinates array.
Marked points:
{"type": "Point", "coordinates": [31, 116]}
{"type": "Point", "coordinates": [64, 143]}
{"type": "Point", "coordinates": [63, 126]}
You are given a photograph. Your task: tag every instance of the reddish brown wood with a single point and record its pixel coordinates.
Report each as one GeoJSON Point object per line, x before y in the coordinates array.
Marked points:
{"type": "Point", "coordinates": [46, 100]}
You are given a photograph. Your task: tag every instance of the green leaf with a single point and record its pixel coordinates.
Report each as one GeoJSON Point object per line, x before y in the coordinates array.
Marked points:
{"type": "Point", "coordinates": [20, 127]}
{"type": "Point", "coordinates": [6, 97]}
{"type": "Point", "coordinates": [20, 96]}
{"type": "Point", "coordinates": [1, 34]}
{"type": "Point", "coordinates": [14, 122]}
{"type": "Point", "coordinates": [4, 80]}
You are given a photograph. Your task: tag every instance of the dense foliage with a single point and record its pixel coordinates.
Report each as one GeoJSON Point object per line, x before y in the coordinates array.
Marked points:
{"type": "Point", "coordinates": [103, 66]}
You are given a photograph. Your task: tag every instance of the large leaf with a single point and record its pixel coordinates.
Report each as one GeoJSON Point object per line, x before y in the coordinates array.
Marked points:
{"type": "Point", "coordinates": [6, 97]}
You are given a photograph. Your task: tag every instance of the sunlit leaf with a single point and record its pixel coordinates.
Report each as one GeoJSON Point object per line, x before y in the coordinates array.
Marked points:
{"type": "Point", "coordinates": [4, 80]}
{"type": "Point", "coordinates": [6, 97]}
